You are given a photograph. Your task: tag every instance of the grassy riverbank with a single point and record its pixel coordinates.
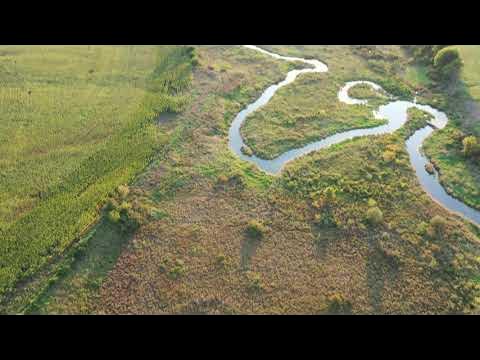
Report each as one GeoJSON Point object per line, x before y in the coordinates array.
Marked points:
{"type": "Point", "coordinates": [309, 110]}
{"type": "Point", "coordinates": [459, 174]}
{"type": "Point", "coordinates": [294, 117]}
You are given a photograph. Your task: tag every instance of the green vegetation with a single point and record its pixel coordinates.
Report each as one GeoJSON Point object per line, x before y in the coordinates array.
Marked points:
{"type": "Point", "coordinates": [471, 147]}
{"type": "Point", "coordinates": [424, 54]}
{"type": "Point", "coordinates": [303, 112]}
{"type": "Point", "coordinates": [374, 216]}
{"type": "Point", "coordinates": [309, 110]}
{"type": "Point", "coordinates": [437, 225]}
{"type": "Point", "coordinates": [76, 122]}
{"type": "Point", "coordinates": [417, 74]}
{"type": "Point", "coordinates": [196, 204]}
{"type": "Point", "coordinates": [459, 174]}
{"type": "Point", "coordinates": [364, 91]}
{"type": "Point", "coordinates": [447, 63]}
{"type": "Point", "coordinates": [74, 280]}
{"type": "Point", "coordinates": [337, 304]}
{"type": "Point", "coordinates": [470, 73]}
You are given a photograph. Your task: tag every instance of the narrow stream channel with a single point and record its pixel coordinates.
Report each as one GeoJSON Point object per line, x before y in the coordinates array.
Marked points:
{"type": "Point", "coordinates": [394, 112]}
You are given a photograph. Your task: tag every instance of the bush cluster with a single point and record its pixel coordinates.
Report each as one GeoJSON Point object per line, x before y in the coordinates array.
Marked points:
{"type": "Point", "coordinates": [256, 229]}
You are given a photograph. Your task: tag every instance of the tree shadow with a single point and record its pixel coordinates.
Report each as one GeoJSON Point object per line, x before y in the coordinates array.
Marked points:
{"type": "Point", "coordinates": [381, 267]}
{"type": "Point", "coordinates": [248, 251]}
{"type": "Point", "coordinates": [323, 238]}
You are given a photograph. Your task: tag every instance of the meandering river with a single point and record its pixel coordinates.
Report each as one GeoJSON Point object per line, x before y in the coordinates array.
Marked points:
{"type": "Point", "coordinates": [395, 112]}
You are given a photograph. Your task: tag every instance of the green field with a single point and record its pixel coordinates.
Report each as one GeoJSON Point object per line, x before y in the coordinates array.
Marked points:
{"type": "Point", "coordinates": [75, 122]}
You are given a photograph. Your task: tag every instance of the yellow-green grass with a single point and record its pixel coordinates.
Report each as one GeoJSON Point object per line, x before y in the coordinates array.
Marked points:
{"type": "Point", "coordinates": [75, 122]}
{"type": "Point", "coordinates": [470, 74]}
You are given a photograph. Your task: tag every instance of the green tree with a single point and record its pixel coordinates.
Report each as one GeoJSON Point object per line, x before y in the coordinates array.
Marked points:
{"type": "Point", "coordinates": [424, 53]}
{"type": "Point", "coordinates": [447, 63]}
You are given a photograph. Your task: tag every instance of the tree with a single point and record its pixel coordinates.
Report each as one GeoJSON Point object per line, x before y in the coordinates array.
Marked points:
{"type": "Point", "coordinates": [424, 53]}
{"type": "Point", "coordinates": [256, 229]}
{"type": "Point", "coordinates": [447, 63]}
{"type": "Point", "coordinates": [470, 146]}
{"type": "Point", "coordinates": [437, 226]}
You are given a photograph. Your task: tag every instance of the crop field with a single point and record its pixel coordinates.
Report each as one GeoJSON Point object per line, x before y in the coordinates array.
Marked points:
{"type": "Point", "coordinates": [119, 193]}
{"type": "Point", "coordinates": [75, 122]}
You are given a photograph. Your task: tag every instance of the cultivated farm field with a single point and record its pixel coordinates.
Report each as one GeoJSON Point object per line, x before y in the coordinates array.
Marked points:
{"type": "Point", "coordinates": [75, 122]}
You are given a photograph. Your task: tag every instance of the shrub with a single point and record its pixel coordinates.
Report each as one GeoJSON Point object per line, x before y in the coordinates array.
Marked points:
{"type": "Point", "coordinates": [470, 146]}
{"type": "Point", "coordinates": [114, 216]}
{"type": "Point", "coordinates": [437, 225]}
{"type": "Point", "coordinates": [178, 269]}
{"type": "Point", "coordinates": [123, 191]}
{"type": "Point", "coordinates": [125, 206]}
{"type": "Point", "coordinates": [372, 202]}
{"type": "Point", "coordinates": [429, 168]}
{"type": "Point", "coordinates": [222, 179]}
{"type": "Point", "coordinates": [374, 216]}
{"type": "Point", "coordinates": [246, 150]}
{"type": "Point", "coordinates": [421, 228]}
{"type": "Point", "coordinates": [221, 260]}
{"type": "Point", "coordinates": [129, 221]}
{"type": "Point", "coordinates": [385, 236]}
{"type": "Point", "coordinates": [237, 179]}
{"type": "Point", "coordinates": [255, 229]}
{"type": "Point", "coordinates": [254, 281]}
{"type": "Point", "coordinates": [389, 156]}
{"type": "Point", "coordinates": [328, 198]}
{"type": "Point", "coordinates": [337, 304]}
